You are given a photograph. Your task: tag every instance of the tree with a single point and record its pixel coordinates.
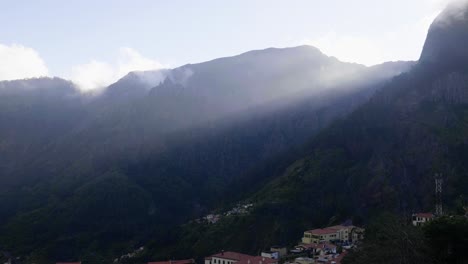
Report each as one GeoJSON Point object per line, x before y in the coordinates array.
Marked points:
{"type": "Point", "coordinates": [389, 240]}
{"type": "Point", "coordinates": [447, 239]}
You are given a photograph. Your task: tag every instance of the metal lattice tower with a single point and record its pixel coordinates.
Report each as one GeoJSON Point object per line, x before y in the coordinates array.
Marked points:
{"type": "Point", "coordinates": [438, 194]}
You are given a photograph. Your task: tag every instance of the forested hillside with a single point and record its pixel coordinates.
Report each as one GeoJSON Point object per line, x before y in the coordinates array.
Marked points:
{"type": "Point", "coordinates": [382, 157]}
{"type": "Point", "coordinates": [157, 149]}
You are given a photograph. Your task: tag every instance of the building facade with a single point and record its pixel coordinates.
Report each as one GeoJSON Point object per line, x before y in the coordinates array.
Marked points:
{"type": "Point", "coordinates": [333, 233]}
{"type": "Point", "coordinates": [230, 257]}
{"type": "Point", "coordinates": [421, 218]}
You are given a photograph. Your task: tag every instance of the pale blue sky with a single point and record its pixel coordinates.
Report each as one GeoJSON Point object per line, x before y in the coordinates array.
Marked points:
{"type": "Point", "coordinates": [67, 35]}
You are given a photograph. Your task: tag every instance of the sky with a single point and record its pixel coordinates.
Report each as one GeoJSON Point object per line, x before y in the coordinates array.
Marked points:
{"type": "Point", "coordinates": [96, 42]}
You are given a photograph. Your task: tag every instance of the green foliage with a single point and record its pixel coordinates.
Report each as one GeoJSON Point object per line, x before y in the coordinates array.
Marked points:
{"type": "Point", "coordinates": [392, 240]}
{"type": "Point", "coordinates": [97, 180]}
{"type": "Point", "coordinates": [448, 239]}
{"type": "Point", "coordinates": [389, 240]}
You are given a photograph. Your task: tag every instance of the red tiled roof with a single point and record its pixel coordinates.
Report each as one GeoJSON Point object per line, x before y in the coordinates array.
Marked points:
{"type": "Point", "coordinates": [231, 256]}
{"type": "Point", "coordinates": [184, 261]}
{"type": "Point", "coordinates": [257, 260]}
{"type": "Point", "coordinates": [322, 231]}
{"type": "Point", "coordinates": [424, 215]}
{"type": "Point", "coordinates": [243, 258]}
{"type": "Point", "coordinates": [338, 227]}
{"type": "Point", "coordinates": [308, 246]}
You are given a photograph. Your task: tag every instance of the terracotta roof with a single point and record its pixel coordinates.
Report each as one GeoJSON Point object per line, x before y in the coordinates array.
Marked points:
{"type": "Point", "coordinates": [338, 227]}
{"type": "Point", "coordinates": [184, 261]}
{"type": "Point", "coordinates": [230, 255]}
{"type": "Point", "coordinates": [243, 258]}
{"type": "Point", "coordinates": [322, 231]}
{"type": "Point", "coordinates": [257, 260]}
{"type": "Point", "coordinates": [308, 246]}
{"type": "Point", "coordinates": [424, 215]}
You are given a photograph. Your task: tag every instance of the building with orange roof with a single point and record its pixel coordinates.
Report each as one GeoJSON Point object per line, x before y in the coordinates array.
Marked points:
{"type": "Point", "coordinates": [183, 261]}
{"type": "Point", "coordinates": [422, 218]}
{"type": "Point", "coordinates": [230, 257]}
{"type": "Point", "coordinates": [333, 233]}
{"type": "Point", "coordinates": [319, 235]}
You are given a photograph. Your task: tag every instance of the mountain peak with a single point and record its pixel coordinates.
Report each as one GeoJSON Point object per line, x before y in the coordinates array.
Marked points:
{"type": "Point", "coordinates": [148, 79]}
{"type": "Point", "coordinates": [447, 35]}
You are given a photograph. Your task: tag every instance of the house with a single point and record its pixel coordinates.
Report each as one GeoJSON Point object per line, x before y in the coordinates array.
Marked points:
{"type": "Point", "coordinates": [282, 251]}
{"type": "Point", "coordinates": [348, 233]}
{"type": "Point", "coordinates": [318, 235]}
{"type": "Point", "coordinates": [230, 257]}
{"type": "Point", "coordinates": [326, 248]}
{"type": "Point", "coordinates": [357, 234]}
{"type": "Point", "coordinates": [270, 254]}
{"type": "Point", "coordinates": [213, 218]}
{"type": "Point", "coordinates": [342, 232]}
{"type": "Point", "coordinates": [258, 260]}
{"type": "Point", "coordinates": [335, 233]}
{"type": "Point", "coordinates": [310, 248]}
{"type": "Point", "coordinates": [184, 261]}
{"type": "Point", "coordinates": [421, 218]}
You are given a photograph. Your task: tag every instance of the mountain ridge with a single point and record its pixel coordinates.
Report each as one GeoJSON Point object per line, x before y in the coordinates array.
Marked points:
{"type": "Point", "coordinates": [164, 154]}
{"type": "Point", "coordinates": [381, 157]}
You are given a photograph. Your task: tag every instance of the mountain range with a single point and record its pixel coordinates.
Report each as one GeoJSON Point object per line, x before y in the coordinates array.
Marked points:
{"type": "Point", "coordinates": [306, 138]}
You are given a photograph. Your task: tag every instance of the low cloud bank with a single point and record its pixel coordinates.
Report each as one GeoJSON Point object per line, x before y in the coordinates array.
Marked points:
{"type": "Point", "coordinates": [98, 74]}
{"type": "Point", "coordinates": [20, 62]}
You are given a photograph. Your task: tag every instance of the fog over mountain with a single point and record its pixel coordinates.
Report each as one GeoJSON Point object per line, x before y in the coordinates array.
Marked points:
{"type": "Point", "coordinates": [446, 34]}
{"type": "Point", "coordinates": [92, 172]}
{"type": "Point", "coordinates": [382, 157]}
{"type": "Point", "coordinates": [158, 148]}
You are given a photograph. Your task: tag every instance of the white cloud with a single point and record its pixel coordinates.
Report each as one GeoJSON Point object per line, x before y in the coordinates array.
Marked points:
{"type": "Point", "coordinates": [403, 43]}
{"type": "Point", "coordinates": [19, 62]}
{"type": "Point", "coordinates": [349, 48]}
{"type": "Point", "coordinates": [98, 74]}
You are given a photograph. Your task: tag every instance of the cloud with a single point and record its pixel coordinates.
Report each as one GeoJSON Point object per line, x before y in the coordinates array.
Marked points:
{"type": "Point", "coordinates": [20, 62]}
{"type": "Point", "coordinates": [99, 74]}
{"type": "Point", "coordinates": [349, 48]}
{"type": "Point", "coordinates": [456, 11]}
{"type": "Point", "coordinates": [402, 43]}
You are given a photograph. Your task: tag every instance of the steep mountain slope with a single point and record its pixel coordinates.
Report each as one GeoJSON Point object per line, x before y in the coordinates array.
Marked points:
{"type": "Point", "coordinates": [155, 157]}
{"type": "Point", "coordinates": [443, 45]}
{"type": "Point", "coordinates": [381, 157]}
{"type": "Point", "coordinates": [33, 113]}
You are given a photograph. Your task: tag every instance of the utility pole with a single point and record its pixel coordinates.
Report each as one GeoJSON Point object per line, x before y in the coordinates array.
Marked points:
{"type": "Point", "coordinates": [438, 194]}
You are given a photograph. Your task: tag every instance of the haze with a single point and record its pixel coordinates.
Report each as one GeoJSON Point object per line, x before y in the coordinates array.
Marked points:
{"type": "Point", "coordinates": [96, 43]}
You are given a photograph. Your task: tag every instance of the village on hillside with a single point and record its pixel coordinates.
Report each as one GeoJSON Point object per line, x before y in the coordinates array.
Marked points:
{"type": "Point", "coordinates": [328, 245]}
{"type": "Point", "coordinates": [325, 245]}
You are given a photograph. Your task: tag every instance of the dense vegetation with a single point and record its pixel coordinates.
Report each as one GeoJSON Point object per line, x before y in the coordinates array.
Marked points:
{"type": "Point", "coordinates": [382, 157]}
{"type": "Point", "coordinates": [392, 240]}
{"type": "Point", "coordinates": [96, 177]}
{"type": "Point", "coordinates": [107, 173]}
